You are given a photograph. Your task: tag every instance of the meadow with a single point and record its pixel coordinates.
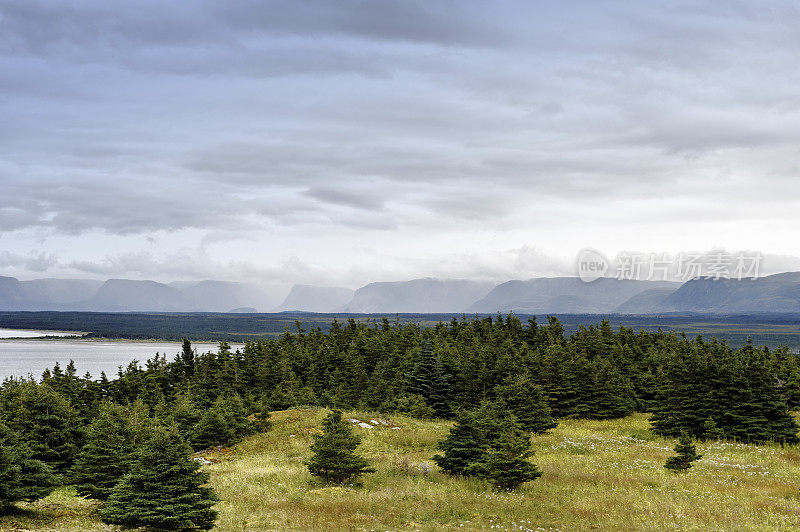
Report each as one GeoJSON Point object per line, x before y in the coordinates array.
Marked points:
{"type": "Point", "coordinates": [597, 475]}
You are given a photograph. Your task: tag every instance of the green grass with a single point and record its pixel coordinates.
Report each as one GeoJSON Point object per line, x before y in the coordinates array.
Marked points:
{"type": "Point", "coordinates": [604, 475]}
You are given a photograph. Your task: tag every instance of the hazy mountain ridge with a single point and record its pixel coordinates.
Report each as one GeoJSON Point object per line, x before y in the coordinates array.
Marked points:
{"type": "Point", "coordinates": [60, 290]}
{"type": "Point", "coordinates": [309, 298]}
{"type": "Point", "coordinates": [418, 295]}
{"type": "Point", "coordinates": [648, 302]}
{"type": "Point", "coordinates": [222, 296]}
{"type": "Point", "coordinates": [11, 289]}
{"type": "Point", "coordinates": [773, 293]}
{"type": "Point", "coordinates": [567, 295]}
{"type": "Point", "coordinates": [125, 295]}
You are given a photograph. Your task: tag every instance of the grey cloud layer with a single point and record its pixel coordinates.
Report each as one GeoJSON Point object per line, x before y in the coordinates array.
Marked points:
{"type": "Point", "coordinates": [134, 117]}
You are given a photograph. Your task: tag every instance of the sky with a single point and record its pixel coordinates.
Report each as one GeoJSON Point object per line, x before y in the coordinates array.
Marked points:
{"type": "Point", "coordinates": [352, 141]}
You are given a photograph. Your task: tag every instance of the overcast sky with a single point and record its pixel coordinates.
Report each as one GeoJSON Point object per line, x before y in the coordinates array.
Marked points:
{"type": "Point", "coordinates": [345, 142]}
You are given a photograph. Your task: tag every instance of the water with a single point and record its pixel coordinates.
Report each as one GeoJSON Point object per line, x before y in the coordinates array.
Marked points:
{"type": "Point", "coordinates": [23, 357]}
{"type": "Point", "coordinates": [25, 333]}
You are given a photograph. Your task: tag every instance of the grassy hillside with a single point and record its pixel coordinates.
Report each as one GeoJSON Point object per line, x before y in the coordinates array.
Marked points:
{"type": "Point", "coordinates": [605, 475]}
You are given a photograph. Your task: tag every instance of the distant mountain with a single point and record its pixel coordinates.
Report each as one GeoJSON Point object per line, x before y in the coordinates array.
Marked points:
{"type": "Point", "coordinates": [243, 310]}
{"type": "Point", "coordinates": [124, 295]}
{"type": "Point", "coordinates": [647, 302]}
{"type": "Point", "coordinates": [315, 298]}
{"type": "Point", "coordinates": [774, 293]}
{"type": "Point", "coordinates": [11, 293]}
{"type": "Point", "coordinates": [419, 295]}
{"type": "Point", "coordinates": [45, 294]}
{"type": "Point", "coordinates": [221, 296]}
{"type": "Point", "coordinates": [127, 295]}
{"type": "Point", "coordinates": [567, 295]}
{"type": "Point", "coordinates": [60, 291]}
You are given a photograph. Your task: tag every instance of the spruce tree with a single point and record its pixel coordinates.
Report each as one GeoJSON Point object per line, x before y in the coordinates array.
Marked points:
{"type": "Point", "coordinates": [711, 431]}
{"type": "Point", "coordinates": [469, 438]}
{"type": "Point", "coordinates": [225, 423]}
{"type": "Point", "coordinates": [527, 401]}
{"type": "Point", "coordinates": [163, 490]}
{"type": "Point", "coordinates": [45, 422]}
{"type": "Point", "coordinates": [210, 431]}
{"type": "Point", "coordinates": [105, 458]}
{"type": "Point", "coordinates": [187, 357]}
{"type": "Point", "coordinates": [428, 379]}
{"type": "Point", "coordinates": [182, 413]}
{"type": "Point", "coordinates": [505, 463]}
{"type": "Point", "coordinates": [686, 455]}
{"type": "Point", "coordinates": [235, 415]}
{"type": "Point", "coordinates": [22, 478]}
{"type": "Point", "coordinates": [261, 418]}
{"type": "Point", "coordinates": [611, 392]}
{"type": "Point", "coordinates": [334, 459]}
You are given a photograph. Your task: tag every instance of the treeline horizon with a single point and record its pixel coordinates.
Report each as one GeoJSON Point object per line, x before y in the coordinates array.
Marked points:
{"type": "Point", "coordinates": [595, 372]}
{"type": "Point", "coordinates": [774, 330]}
{"type": "Point", "coordinates": [58, 426]}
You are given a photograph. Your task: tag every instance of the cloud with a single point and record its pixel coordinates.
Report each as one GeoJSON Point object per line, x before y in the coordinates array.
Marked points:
{"type": "Point", "coordinates": [453, 131]}
{"type": "Point", "coordinates": [356, 199]}
{"type": "Point", "coordinates": [31, 262]}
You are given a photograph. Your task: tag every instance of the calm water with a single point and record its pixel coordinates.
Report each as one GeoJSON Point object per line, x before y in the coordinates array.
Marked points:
{"type": "Point", "coordinates": [19, 358]}
{"type": "Point", "coordinates": [24, 333]}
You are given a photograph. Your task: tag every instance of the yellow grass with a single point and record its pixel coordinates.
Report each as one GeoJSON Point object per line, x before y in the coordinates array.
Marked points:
{"type": "Point", "coordinates": [597, 475]}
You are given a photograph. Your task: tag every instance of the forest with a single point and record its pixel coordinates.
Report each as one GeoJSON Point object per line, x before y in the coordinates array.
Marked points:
{"type": "Point", "coordinates": [478, 370]}
{"type": "Point", "coordinates": [772, 330]}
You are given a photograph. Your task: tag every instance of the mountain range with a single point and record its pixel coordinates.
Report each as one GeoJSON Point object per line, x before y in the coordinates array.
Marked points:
{"type": "Point", "coordinates": [564, 295]}
{"type": "Point", "coordinates": [124, 295]}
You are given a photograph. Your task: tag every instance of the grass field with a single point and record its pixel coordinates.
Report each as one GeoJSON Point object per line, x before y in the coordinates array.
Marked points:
{"type": "Point", "coordinates": [597, 475]}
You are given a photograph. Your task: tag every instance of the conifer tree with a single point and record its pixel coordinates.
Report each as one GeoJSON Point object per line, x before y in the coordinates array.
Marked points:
{"type": "Point", "coordinates": [686, 455]}
{"type": "Point", "coordinates": [527, 401]}
{"type": "Point", "coordinates": [469, 438]}
{"type": "Point", "coordinates": [105, 458]}
{"type": "Point", "coordinates": [711, 431]}
{"type": "Point", "coordinates": [235, 415]}
{"type": "Point", "coordinates": [611, 393]}
{"type": "Point", "coordinates": [334, 459]}
{"type": "Point", "coordinates": [210, 431]}
{"type": "Point", "coordinates": [182, 413]}
{"type": "Point", "coordinates": [187, 358]}
{"type": "Point", "coordinates": [22, 478]}
{"type": "Point", "coordinates": [163, 490]}
{"type": "Point", "coordinates": [428, 379]}
{"type": "Point", "coordinates": [262, 421]}
{"type": "Point", "coordinates": [225, 423]}
{"type": "Point", "coordinates": [505, 463]}
{"type": "Point", "coordinates": [45, 422]}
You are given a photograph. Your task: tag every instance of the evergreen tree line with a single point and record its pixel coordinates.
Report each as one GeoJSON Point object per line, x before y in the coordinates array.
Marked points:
{"type": "Point", "coordinates": [705, 389]}
{"type": "Point", "coordinates": [596, 373]}
{"type": "Point", "coordinates": [140, 467]}
{"type": "Point", "coordinates": [702, 388]}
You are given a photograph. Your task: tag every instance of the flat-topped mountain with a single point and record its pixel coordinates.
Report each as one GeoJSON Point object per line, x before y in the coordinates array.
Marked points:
{"type": "Point", "coordinates": [419, 295]}
{"type": "Point", "coordinates": [122, 295]}
{"type": "Point", "coordinates": [773, 293]}
{"type": "Point", "coordinates": [125, 295]}
{"type": "Point", "coordinates": [778, 293]}
{"type": "Point", "coordinates": [303, 297]}
{"type": "Point", "coordinates": [568, 295]}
